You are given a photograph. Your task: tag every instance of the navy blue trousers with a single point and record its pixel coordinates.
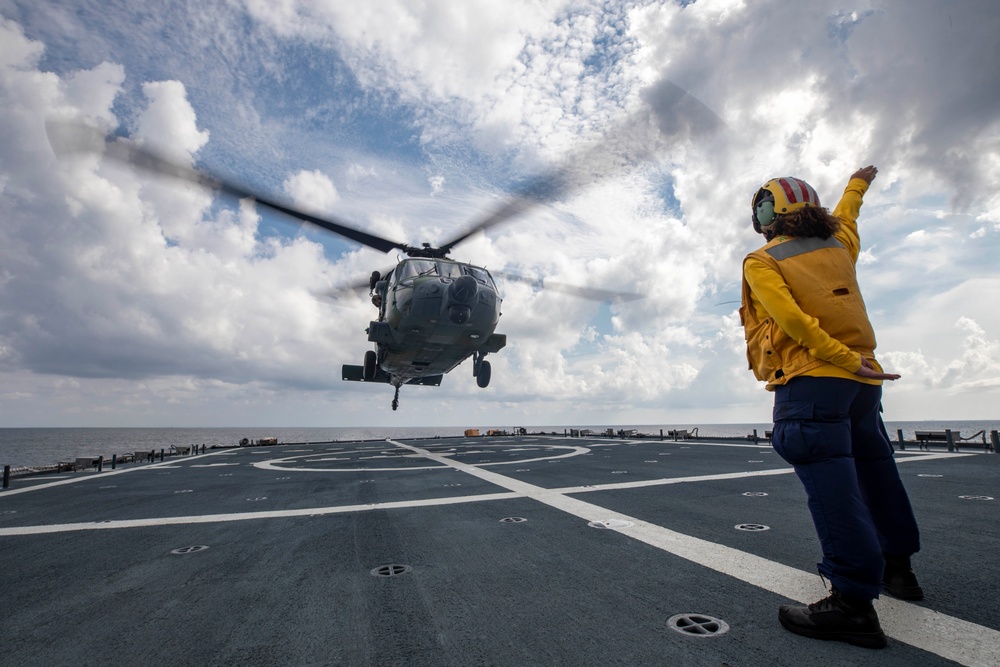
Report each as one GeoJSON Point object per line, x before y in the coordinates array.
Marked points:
{"type": "Point", "coordinates": [830, 430]}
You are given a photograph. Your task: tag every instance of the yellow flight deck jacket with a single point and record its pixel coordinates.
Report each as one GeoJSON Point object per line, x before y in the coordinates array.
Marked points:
{"type": "Point", "coordinates": [802, 311]}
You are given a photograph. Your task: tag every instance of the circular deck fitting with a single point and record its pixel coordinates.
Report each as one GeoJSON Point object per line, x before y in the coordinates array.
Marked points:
{"type": "Point", "coordinates": [755, 494]}
{"type": "Point", "coordinates": [751, 527]}
{"type": "Point", "coordinates": [976, 497]}
{"type": "Point", "coordinates": [257, 499]}
{"type": "Point", "coordinates": [610, 523]}
{"type": "Point", "coordinates": [929, 475]}
{"type": "Point", "coordinates": [513, 519]}
{"type": "Point", "coordinates": [185, 491]}
{"type": "Point", "coordinates": [619, 472]}
{"type": "Point", "coordinates": [697, 625]}
{"type": "Point", "coordinates": [281, 478]}
{"type": "Point", "coordinates": [189, 550]}
{"type": "Point", "coordinates": [390, 570]}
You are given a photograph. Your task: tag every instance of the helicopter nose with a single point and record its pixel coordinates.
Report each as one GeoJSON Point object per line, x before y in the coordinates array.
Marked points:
{"type": "Point", "coordinates": [463, 290]}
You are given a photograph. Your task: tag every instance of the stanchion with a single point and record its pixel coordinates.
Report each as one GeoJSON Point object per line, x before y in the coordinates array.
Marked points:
{"type": "Point", "coordinates": [6, 476]}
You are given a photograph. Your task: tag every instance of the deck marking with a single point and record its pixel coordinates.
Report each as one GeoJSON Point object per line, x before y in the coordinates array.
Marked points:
{"type": "Point", "coordinates": [285, 463]}
{"type": "Point", "coordinates": [101, 475]}
{"type": "Point", "coordinates": [949, 637]}
{"type": "Point", "coordinates": [245, 516]}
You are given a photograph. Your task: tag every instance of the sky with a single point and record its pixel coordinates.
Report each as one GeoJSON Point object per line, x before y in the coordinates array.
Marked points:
{"type": "Point", "coordinates": [128, 299]}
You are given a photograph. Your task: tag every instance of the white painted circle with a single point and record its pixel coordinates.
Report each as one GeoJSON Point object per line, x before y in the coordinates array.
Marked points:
{"type": "Point", "coordinates": [280, 465]}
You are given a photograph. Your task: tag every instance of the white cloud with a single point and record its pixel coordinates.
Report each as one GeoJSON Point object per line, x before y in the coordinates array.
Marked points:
{"type": "Point", "coordinates": [412, 118]}
{"type": "Point", "coordinates": [312, 191]}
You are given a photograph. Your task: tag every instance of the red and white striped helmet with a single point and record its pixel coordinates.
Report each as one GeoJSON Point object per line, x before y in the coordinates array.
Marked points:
{"type": "Point", "coordinates": [780, 196]}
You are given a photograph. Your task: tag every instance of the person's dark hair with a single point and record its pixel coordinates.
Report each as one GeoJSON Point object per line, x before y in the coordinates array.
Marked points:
{"type": "Point", "coordinates": [809, 222]}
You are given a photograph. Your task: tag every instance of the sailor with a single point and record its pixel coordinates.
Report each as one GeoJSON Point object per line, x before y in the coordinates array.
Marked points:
{"type": "Point", "coordinates": [808, 336]}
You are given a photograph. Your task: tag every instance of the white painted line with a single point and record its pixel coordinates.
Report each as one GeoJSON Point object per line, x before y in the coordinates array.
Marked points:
{"type": "Point", "coordinates": [244, 516]}
{"type": "Point", "coordinates": [949, 637]}
{"type": "Point", "coordinates": [99, 475]}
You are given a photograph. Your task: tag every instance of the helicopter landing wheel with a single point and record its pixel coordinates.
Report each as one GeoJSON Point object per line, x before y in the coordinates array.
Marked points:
{"type": "Point", "coordinates": [371, 365]}
{"type": "Point", "coordinates": [483, 376]}
{"type": "Point", "coordinates": [395, 400]}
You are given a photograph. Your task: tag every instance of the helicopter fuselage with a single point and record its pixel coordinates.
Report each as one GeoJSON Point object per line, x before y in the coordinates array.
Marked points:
{"type": "Point", "coordinates": [434, 313]}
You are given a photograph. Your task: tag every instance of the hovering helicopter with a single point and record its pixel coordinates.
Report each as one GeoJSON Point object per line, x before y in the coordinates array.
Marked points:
{"type": "Point", "coordinates": [433, 312]}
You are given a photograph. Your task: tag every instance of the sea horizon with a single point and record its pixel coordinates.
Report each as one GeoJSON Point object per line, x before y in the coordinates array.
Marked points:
{"type": "Point", "coordinates": [42, 446]}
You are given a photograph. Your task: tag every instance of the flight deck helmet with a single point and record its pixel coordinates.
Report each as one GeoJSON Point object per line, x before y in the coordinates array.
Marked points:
{"type": "Point", "coordinates": [780, 196]}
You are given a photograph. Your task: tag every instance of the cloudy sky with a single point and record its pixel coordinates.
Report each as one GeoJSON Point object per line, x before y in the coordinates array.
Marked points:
{"type": "Point", "coordinates": [129, 300]}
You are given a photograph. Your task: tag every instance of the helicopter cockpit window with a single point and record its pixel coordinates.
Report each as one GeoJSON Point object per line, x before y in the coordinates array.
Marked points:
{"type": "Point", "coordinates": [412, 268]}
{"type": "Point", "coordinates": [480, 274]}
{"type": "Point", "coordinates": [450, 269]}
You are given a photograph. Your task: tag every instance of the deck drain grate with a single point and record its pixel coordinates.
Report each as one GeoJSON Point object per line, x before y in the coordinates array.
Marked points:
{"type": "Point", "coordinates": [391, 570]}
{"type": "Point", "coordinates": [976, 497]}
{"type": "Point", "coordinates": [751, 527]}
{"type": "Point", "coordinates": [189, 550]}
{"type": "Point", "coordinates": [610, 523]}
{"type": "Point", "coordinates": [755, 494]}
{"type": "Point", "coordinates": [513, 519]}
{"type": "Point", "coordinates": [697, 625]}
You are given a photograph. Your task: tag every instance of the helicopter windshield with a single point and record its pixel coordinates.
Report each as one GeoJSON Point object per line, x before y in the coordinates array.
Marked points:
{"type": "Point", "coordinates": [411, 268]}
{"type": "Point", "coordinates": [482, 275]}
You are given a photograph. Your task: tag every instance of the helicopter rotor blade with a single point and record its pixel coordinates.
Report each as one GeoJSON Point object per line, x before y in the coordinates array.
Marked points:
{"type": "Point", "coordinates": [589, 293]}
{"type": "Point", "coordinates": [67, 138]}
{"type": "Point", "coordinates": [541, 190]}
{"type": "Point", "coordinates": [669, 114]}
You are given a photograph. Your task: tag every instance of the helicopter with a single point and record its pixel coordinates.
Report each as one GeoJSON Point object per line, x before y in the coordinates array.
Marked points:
{"type": "Point", "coordinates": [433, 312]}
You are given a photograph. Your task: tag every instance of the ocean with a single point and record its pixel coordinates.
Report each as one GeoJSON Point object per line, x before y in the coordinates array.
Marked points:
{"type": "Point", "coordinates": [24, 447]}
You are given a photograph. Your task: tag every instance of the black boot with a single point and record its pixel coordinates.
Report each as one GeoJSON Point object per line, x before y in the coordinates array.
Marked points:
{"type": "Point", "coordinates": [899, 580]}
{"type": "Point", "coordinates": [835, 617]}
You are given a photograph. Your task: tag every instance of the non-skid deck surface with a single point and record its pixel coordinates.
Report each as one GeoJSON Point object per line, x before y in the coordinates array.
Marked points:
{"type": "Point", "coordinates": [537, 550]}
